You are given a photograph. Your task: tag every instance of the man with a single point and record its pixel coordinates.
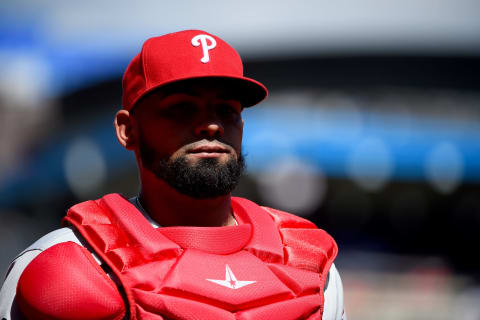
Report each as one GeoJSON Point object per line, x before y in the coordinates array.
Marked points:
{"type": "Point", "coordinates": [184, 248]}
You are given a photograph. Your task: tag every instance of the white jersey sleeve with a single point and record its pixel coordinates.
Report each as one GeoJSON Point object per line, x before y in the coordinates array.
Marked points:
{"type": "Point", "coordinates": [333, 308]}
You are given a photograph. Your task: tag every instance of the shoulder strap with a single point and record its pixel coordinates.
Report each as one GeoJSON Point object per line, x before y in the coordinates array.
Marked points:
{"type": "Point", "coordinates": [117, 230]}
{"type": "Point", "coordinates": [294, 240]}
{"type": "Point", "coordinates": [306, 246]}
{"type": "Point", "coordinates": [265, 242]}
{"type": "Point", "coordinates": [120, 235]}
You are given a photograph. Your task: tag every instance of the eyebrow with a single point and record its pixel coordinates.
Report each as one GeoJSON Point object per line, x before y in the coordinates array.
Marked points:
{"type": "Point", "coordinates": [180, 95]}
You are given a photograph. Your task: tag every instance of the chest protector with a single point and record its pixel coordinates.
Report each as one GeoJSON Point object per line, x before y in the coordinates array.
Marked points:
{"type": "Point", "coordinates": [273, 265]}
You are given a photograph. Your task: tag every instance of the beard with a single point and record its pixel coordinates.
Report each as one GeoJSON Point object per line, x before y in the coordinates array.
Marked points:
{"type": "Point", "coordinates": [208, 178]}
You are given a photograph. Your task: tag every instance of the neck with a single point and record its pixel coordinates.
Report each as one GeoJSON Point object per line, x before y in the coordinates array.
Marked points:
{"type": "Point", "coordinates": [168, 207]}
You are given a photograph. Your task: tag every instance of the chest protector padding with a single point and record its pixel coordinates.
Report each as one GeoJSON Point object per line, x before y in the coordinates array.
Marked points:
{"type": "Point", "coordinates": [272, 266]}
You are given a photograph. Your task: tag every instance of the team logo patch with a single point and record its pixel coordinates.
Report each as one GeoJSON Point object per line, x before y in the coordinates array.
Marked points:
{"type": "Point", "coordinates": [202, 40]}
{"type": "Point", "coordinates": [230, 280]}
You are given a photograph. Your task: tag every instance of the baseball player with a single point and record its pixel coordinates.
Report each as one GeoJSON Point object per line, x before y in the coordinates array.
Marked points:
{"type": "Point", "coordinates": [184, 248]}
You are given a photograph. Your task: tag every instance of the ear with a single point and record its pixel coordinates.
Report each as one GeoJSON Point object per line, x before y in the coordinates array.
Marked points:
{"type": "Point", "coordinates": [124, 128]}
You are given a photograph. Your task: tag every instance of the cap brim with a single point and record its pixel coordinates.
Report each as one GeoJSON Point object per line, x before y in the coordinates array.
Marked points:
{"type": "Point", "coordinates": [248, 91]}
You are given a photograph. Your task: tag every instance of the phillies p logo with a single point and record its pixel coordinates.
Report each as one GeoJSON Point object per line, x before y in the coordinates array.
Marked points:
{"type": "Point", "coordinates": [203, 39]}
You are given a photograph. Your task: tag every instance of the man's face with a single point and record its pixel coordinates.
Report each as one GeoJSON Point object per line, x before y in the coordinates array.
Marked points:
{"type": "Point", "coordinates": [191, 138]}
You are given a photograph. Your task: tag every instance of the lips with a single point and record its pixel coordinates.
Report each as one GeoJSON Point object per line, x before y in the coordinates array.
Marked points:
{"type": "Point", "coordinates": [209, 149]}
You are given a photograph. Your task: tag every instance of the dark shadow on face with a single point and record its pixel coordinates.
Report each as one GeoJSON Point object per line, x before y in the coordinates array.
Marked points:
{"type": "Point", "coordinates": [207, 177]}
{"type": "Point", "coordinates": [229, 88]}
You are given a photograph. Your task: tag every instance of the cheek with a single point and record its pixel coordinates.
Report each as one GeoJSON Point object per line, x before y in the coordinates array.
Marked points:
{"type": "Point", "coordinates": [157, 141]}
{"type": "Point", "coordinates": [235, 136]}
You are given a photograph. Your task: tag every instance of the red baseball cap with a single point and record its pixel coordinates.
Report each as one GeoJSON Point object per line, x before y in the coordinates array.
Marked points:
{"type": "Point", "coordinates": [185, 55]}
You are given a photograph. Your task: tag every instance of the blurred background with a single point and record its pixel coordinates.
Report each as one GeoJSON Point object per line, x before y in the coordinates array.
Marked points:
{"type": "Point", "coordinates": [371, 130]}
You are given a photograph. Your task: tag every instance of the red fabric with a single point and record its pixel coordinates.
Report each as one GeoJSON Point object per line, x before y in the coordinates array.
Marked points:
{"type": "Point", "coordinates": [266, 242]}
{"type": "Point", "coordinates": [65, 282]}
{"type": "Point", "coordinates": [299, 308]}
{"type": "Point", "coordinates": [173, 57]}
{"type": "Point", "coordinates": [136, 228]}
{"type": "Point", "coordinates": [179, 307]}
{"type": "Point", "coordinates": [300, 281]}
{"type": "Point", "coordinates": [219, 240]}
{"type": "Point", "coordinates": [305, 246]}
{"type": "Point", "coordinates": [188, 278]}
{"type": "Point", "coordinates": [273, 265]}
{"type": "Point", "coordinates": [288, 220]}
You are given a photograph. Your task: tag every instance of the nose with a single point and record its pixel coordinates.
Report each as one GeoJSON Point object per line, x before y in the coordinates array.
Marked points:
{"type": "Point", "coordinates": [211, 128]}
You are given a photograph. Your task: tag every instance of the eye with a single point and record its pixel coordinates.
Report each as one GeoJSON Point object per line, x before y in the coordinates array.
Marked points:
{"type": "Point", "coordinates": [179, 110]}
{"type": "Point", "coordinates": [229, 109]}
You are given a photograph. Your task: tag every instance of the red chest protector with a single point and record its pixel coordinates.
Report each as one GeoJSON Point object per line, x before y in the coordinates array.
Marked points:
{"type": "Point", "coordinates": [272, 266]}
